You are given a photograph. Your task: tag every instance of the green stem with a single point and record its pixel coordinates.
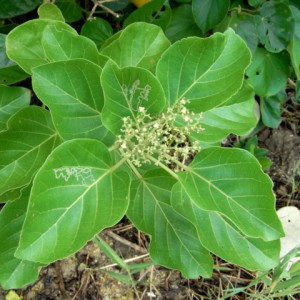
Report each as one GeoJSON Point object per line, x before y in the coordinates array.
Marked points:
{"type": "Point", "coordinates": [158, 163]}
{"type": "Point", "coordinates": [118, 164]}
{"type": "Point", "coordinates": [177, 162]}
{"type": "Point", "coordinates": [244, 11]}
{"type": "Point", "coordinates": [113, 147]}
{"type": "Point", "coordinates": [134, 169]}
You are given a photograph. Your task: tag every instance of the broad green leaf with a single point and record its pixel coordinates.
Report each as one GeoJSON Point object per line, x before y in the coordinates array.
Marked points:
{"type": "Point", "coordinates": [231, 182]}
{"type": "Point", "coordinates": [251, 145]}
{"type": "Point", "coordinates": [72, 91]}
{"type": "Point", "coordinates": [156, 12]}
{"type": "Point", "coordinates": [14, 272]}
{"type": "Point", "coordinates": [235, 116]}
{"type": "Point", "coordinates": [174, 240]}
{"type": "Point", "coordinates": [294, 47]}
{"type": "Point", "coordinates": [24, 45]}
{"type": "Point", "coordinates": [209, 13]}
{"type": "Point", "coordinates": [60, 45]}
{"type": "Point", "coordinates": [207, 71]}
{"type": "Point", "coordinates": [268, 72]}
{"type": "Point", "coordinates": [182, 24]}
{"type": "Point", "coordinates": [50, 11]}
{"type": "Point", "coordinates": [111, 40]}
{"type": "Point", "coordinates": [13, 8]}
{"type": "Point", "coordinates": [125, 91]}
{"type": "Point", "coordinates": [71, 11]}
{"type": "Point", "coordinates": [9, 72]}
{"type": "Point", "coordinates": [275, 25]}
{"type": "Point", "coordinates": [222, 238]}
{"type": "Point", "coordinates": [117, 5]}
{"type": "Point", "coordinates": [138, 45]}
{"type": "Point", "coordinates": [98, 30]}
{"type": "Point", "coordinates": [30, 138]}
{"type": "Point", "coordinates": [245, 27]}
{"type": "Point", "coordinates": [12, 99]}
{"type": "Point", "coordinates": [76, 193]}
{"type": "Point", "coordinates": [270, 109]}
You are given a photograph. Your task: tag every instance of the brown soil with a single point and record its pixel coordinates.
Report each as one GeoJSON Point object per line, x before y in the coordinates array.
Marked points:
{"type": "Point", "coordinates": [85, 275]}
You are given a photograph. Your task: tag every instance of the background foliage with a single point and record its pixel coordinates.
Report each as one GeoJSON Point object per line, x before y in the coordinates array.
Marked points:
{"type": "Point", "coordinates": [66, 51]}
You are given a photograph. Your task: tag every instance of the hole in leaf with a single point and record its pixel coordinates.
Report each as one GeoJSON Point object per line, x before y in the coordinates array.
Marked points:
{"type": "Point", "coordinates": [257, 73]}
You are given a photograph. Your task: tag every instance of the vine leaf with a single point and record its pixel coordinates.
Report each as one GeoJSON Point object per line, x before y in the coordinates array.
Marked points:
{"type": "Point", "coordinates": [245, 27]}
{"type": "Point", "coordinates": [275, 25]}
{"type": "Point", "coordinates": [76, 194]}
{"type": "Point", "coordinates": [98, 30]}
{"type": "Point", "coordinates": [14, 273]}
{"type": "Point", "coordinates": [174, 239]}
{"type": "Point", "coordinates": [268, 72]}
{"type": "Point", "coordinates": [15, 8]}
{"type": "Point", "coordinates": [209, 13]}
{"type": "Point", "coordinates": [231, 182]}
{"type": "Point", "coordinates": [205, 71]}
{"type": "Point", "coordinates": [24, 146]}
{"type": "Point", "coordinates": [221, 237]}
{"type": "Point", "coordinates": [72, 91]}
{"type": "Point", "coordinates": [181, 24]}
{"type": "Point", "coordinates": [156, 12]}
{"type": "Point", "coordinates": [127, 89]}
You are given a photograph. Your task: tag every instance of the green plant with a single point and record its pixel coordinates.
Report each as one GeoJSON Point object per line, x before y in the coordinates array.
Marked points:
{"type": "Point", "coordinates": [132, 129]}
{"type": "Point", "coordinates": [281, 283]}
{"type": "Point", "coordinates": [270, 29]}
{"type": "Point", "coordinates": [251, 145]}
{"type": "Point", "coordinates": [128, 269]}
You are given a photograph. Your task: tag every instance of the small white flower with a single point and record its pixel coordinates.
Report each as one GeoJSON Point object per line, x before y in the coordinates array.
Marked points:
{"type": "Point", "coordinates": [187, 119]}
{"type": "Point", "coordinates": [156, 125]}
{"type": "Point", "coordinates": [184, 111]}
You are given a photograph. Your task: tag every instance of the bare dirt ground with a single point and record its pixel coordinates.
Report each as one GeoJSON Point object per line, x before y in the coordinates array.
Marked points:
{"type": "Point", "coordinates": [85, 275]}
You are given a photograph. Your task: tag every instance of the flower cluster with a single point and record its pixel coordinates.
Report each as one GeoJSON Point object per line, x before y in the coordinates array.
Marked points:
{"type": "Point", "coordinates": [163, 137]}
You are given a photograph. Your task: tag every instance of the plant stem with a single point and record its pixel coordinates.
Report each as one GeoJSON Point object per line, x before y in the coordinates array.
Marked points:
{"type": "Point", "coordinates": [113, 147]}
{"type": "Point", "coordinates": [100, 4]}
{"type": "Point", "coordinates": [244, 11]}
{"type": "Point", "coordinates": [118, 164]}
{"type": "Point", "coordinates": [134, 169]}
{"type": "Point", "coordinates": [158, 163]}
{"type": "Point", "coordinates": [177, 162]}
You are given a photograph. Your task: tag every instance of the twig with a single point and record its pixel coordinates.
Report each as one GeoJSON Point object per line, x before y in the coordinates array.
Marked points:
{"type": "Point", "coordinates": [125, 242]}
{"type": "Point", "coordinates": [100, 4]}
